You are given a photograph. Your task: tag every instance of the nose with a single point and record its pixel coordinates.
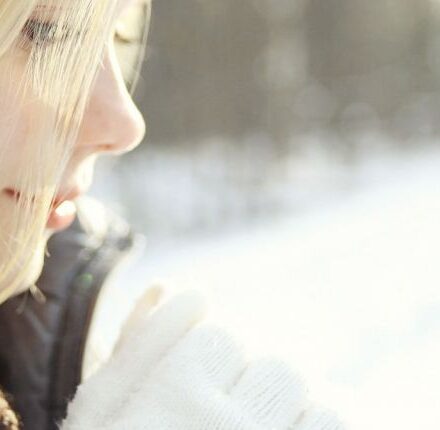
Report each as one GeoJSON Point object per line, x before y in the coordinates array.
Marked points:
{"type": "Point", "coordinates": [112, 123]}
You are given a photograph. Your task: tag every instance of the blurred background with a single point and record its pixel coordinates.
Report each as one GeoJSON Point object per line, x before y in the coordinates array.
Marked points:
{"type": "Point", "coordinates": [261, 107]}
{"type": "Point", "coordinates": [292, 170]}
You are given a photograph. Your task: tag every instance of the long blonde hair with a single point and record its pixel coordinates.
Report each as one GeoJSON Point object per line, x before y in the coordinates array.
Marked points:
{"type": "Point", "coordinates": [57, 77]}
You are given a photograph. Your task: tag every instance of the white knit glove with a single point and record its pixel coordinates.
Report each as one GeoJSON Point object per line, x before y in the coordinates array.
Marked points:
{"type": "Point", "coordinates": [172, 372]}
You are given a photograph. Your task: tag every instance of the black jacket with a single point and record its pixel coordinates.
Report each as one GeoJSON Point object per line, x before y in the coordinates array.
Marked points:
{"type": "Point", "coordinates": [42, 344]}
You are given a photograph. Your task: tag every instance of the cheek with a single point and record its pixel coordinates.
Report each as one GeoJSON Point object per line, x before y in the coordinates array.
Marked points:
{"type": "Point", "coordinates": [15, 117]}
{"type": "Point", "coordinates": [13, 133]}
{"type": "Point", "coordinates": [13, 136]}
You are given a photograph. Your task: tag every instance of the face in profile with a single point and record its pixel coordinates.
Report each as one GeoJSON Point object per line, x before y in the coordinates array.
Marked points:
{"type": "Point", "coordinates": [38, 164]}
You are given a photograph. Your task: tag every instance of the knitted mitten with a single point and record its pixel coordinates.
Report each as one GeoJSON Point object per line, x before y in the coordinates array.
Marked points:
{"type": "Point", "coordinates": [172, 371]}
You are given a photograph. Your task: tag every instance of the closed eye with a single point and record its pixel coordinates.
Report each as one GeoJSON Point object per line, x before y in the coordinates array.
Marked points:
{"type": "Point", "coordinates": [43, 32]}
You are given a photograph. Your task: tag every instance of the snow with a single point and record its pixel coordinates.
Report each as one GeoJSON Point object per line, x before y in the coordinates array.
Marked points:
{"type": "Point", "coordinates": [347, 291]}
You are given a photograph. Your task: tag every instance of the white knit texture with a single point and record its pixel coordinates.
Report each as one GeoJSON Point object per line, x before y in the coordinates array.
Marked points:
{"type": "Point", "coordinates": [172, 371]}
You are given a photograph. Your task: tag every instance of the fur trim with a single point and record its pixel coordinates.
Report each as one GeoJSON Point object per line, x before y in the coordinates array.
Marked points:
{"type": "Point", "coordinates": [8, 418]}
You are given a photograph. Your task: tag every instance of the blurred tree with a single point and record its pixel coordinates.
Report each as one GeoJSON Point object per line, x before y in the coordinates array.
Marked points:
{"type": "Point", "coordinates": [204, 56]}
{"type": "Point", "coordinates": [235, 69]}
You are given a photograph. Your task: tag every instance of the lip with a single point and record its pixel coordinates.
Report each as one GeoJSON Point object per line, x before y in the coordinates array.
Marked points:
{"type": "Point", "coordinates": [61, 196]}
{"type": "Point", "coordinates": [10, 192]}
{"type": "Point", "coordinates": [62, 211]}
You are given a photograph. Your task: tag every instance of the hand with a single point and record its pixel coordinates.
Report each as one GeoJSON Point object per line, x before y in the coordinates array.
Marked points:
{"type": "Point", "coordinates": [171, 371]}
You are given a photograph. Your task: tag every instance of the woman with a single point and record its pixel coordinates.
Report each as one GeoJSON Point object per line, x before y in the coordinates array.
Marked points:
{"type": "Point", "coordinates": [55, 56]}
{"type": "Point", "coordinates": [65, 102]}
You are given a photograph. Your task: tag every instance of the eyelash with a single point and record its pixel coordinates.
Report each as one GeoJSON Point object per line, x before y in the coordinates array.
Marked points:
{"type": "Point", "coordinates": [43, 33]}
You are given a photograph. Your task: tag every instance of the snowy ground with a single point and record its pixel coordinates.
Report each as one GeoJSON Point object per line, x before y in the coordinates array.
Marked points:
{"type": "Point", "coordinates": [348, 291]}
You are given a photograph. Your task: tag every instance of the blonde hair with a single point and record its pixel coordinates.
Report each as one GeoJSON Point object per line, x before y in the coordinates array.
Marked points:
{"type": "Point", "coordinates": [57, 78]}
